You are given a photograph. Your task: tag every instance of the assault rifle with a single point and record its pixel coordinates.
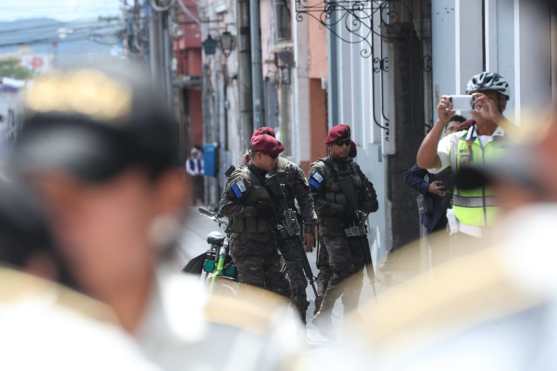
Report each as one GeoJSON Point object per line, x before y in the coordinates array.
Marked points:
{"type": "Point", "coordinates": [288, 226]}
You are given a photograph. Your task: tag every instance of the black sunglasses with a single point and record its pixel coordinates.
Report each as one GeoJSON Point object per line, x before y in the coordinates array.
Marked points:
{"type": "Point", "coordinates": [344, 142]}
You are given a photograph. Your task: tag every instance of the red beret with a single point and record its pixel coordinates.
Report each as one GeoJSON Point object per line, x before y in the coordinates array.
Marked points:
{"type": "Point", "coordinates": [338, 132]}
{"type": "Point", "coordinates": [266, 144]}
{"type": "Point", "coordinates": [264, 130]}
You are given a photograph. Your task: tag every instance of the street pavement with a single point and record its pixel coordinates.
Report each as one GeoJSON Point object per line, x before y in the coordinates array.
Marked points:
{"type": "Point", "coordinates": [194, 236]}
{"type": "Point", "coordinates": [193, 243]}
{"type": "Point", "coordinates": [401, 266]}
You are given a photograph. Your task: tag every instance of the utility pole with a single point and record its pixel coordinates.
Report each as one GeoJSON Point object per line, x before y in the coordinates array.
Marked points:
{"type": "Point", "coordinates": [244, 71]}
{"type": "Point", "coordinates": [160, 57]}
{"type": "Point", "coordinates": [168, 56]}
{"type": "Point", "coordinates": [256, 64]}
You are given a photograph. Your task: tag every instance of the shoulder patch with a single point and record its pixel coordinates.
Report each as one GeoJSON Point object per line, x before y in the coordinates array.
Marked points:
{"type": "Point", "coordinates": [315, 180]}
{"type": "Point", "coordinates": [238, 188]}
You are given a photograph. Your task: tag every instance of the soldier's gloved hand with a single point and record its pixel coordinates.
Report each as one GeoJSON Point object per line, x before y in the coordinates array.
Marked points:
{"type": "Point", "coordinates": [309, 241]}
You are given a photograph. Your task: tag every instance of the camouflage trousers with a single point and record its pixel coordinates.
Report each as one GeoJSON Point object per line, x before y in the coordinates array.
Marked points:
{"type": "Point", "coordinates": [258, 264]}
{"type": "Point", "coordinates": [346, 263]}
{"type": "Point", "coordinates": [292, 251]}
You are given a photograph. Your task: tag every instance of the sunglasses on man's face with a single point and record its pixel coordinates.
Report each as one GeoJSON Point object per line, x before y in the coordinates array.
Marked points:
{"type": "Point", "coordinates": [345, 142]}
{"type": "Point", "coordinates": [274, 157]}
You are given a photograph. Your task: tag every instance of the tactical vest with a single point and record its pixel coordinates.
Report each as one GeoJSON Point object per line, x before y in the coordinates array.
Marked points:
{"type": "Point", "coordinates": [283, 175]}
{"type": "Point", "coordinates": [250, 223]}
{"type": "Point", "coordinates": [475, 207]}
{"type": "Point", "coordinates": [333, 193]}
{"type": "Point", "coordinates": [279, 184]}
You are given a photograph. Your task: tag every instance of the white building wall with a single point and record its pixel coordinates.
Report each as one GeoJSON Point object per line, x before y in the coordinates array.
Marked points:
{"type": "Point", "coordinates": [468, 42]}
{"type": "Point", "coordinates": [511, 37]}
{"type": "Point", "coordinates": [502, 37]}
{"type": "Point", "coordinates": [223, 17]}
{"type": "Point", "coordinates": [352, 96]}
{"type": "Point", "coordinates": [532, 59]}
{"type": "Point", "coordinates": [443, 50]}
{"type": "Point", "coordinates": [301, 124]}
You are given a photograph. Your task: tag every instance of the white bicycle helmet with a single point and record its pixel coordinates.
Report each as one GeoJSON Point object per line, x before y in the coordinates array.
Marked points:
{"type": "Point", "coordinates": [488, 81]}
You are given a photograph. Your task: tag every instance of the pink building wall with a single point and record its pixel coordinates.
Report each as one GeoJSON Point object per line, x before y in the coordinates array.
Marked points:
{"type": "Point", "coordinates": [317, 51]}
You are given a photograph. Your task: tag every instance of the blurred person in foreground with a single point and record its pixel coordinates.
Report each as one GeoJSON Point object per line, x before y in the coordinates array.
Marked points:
{"type": "Point", "coordinates": [45, 325]}
{"type": "Point", "coordinates": [472, 210]}
{"type": "Point", "coordinates": [100, 149]}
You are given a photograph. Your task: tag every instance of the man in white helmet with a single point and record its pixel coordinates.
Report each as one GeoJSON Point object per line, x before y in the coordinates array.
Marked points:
{"type": "Point", "coordinates": [473, 210]}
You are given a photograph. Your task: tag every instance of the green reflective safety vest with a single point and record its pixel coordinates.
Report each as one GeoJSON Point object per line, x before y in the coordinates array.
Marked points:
{"type": "Point", "coordinates": [475, 207]}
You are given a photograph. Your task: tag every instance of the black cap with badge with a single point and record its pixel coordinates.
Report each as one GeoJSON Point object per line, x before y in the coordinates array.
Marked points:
{"type": "Point", "coordinates": [94, 123]}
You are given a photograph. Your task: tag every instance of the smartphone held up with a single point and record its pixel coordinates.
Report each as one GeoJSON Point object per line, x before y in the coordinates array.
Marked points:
{"type": "Point", "coordinates": [462, 103]}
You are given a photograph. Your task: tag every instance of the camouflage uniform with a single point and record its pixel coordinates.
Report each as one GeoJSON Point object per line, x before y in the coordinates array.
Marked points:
{"type": "Point", "coordinates": [288, 186]}
{"type": "Point", "coordinates": [341, 229]}
{"type": "Point", "coordinates": [250, 210]}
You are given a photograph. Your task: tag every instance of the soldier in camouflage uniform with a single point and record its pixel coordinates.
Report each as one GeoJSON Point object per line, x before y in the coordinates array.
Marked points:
{"type": "Point", "coordinates": [343, 197]}
{"type": "Point", "coordinates": [290, 191]}
{"type": "Point", "coordinates": [251, 212]}
{"type": "Point", "coordinates": [322, 260]}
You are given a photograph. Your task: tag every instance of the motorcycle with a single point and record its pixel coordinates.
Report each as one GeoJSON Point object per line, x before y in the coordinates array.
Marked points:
{"type": "Point", "coordinates": [216, 263]}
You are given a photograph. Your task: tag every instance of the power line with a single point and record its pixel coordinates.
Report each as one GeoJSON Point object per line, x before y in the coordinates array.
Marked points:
{"type": "Point", "coordinates": [18, 11]}
{"type": "Point", "coordinates": [19, 5]}
{"type": "Point", "coordinates": [53, 25]}
{"type": "Point", "coordinates": [85, 32]}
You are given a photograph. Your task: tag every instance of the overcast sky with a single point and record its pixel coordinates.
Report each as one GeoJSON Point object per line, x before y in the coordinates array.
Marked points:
{"type": "Point", "coordinates": [58, 9]}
